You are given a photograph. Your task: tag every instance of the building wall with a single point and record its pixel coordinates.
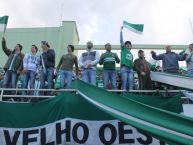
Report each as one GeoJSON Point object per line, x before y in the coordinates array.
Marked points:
{"type": "Point", "coordinates": [58, 38]}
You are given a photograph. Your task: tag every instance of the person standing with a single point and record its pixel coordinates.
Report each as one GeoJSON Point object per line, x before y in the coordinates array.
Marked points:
{"type": "Point", "coordinates": [65, 67]}
{"type": "Point", "coordinates": [126, 64]}
{"type": "Point", "coordinates": [169, 60]}
{"type": "Point", "coordinates": [188, 57]}
{"type": "Point", "coordinates": [47, 64]}
{"type": "Point", "coordinates": [109, 60]}
{"type": "Point", "coordinates": [30, 68]}
{"type": "Point", "coordinates": [14, 65]}
{"type": "Point", "coordinates": [189, 61]}
{"type": "Point", "coordinates": [143, 71]}
{"type": "Point", "coordinates": [88, 61]}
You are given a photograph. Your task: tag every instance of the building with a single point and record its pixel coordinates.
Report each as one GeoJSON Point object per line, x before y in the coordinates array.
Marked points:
{"type": "Point", "coordinates": [58, 38]}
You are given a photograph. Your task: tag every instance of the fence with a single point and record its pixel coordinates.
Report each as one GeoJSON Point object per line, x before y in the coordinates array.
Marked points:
{"type": "Point", "coordinates": [2, 95]}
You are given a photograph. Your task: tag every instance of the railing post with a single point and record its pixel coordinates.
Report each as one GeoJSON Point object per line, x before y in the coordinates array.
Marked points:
{"type": "Point", "coordinates": [1, 97]}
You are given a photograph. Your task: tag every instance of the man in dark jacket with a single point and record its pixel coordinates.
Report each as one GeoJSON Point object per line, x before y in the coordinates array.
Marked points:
{"type": "Point", "coordinates": [143, 71]}
{"type": "Point", "coordinates": [13, 66]}
{"type": "Point", "coordinates": [47, 63]}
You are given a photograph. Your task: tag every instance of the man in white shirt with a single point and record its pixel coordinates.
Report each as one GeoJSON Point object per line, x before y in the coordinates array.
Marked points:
{"type": "Point", "coordinates": [30, 68]}
{"type": "Point", "coordinates": [87, 62]}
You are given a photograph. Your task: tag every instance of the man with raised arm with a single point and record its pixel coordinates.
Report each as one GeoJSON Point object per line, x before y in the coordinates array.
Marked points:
{"type": "Point", "coordinates": [169, 60]}
{"type": "Point", "coordinates": [188, 57]}
{"type": "Point", "coordinates": [14, 65]}
{"type": "Point", "coordinates": [126, 63]}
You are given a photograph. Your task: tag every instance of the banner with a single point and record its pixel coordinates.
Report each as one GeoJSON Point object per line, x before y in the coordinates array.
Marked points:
{"type": "Point", "coordinates": [63, 120]}
{"type": "Point", "coordinates": [91, 116]}
{"type": "Point", "coordinates": [74, 131]}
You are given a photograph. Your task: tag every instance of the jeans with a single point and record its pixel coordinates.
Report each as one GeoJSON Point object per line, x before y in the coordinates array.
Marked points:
{"type": "Point", "coordinates": [126, 78]}
{"type": "Point", "coordinates": [189, 73]}
{"type": "Point", "coordinates": [29, 77]}
{"type": "Point", "coordinates": [109, 75]}
{"type": "Point", "coordinates": [46, 76]}
{"type": "Point", "coordinates": [65, 79]}
{"type": "Point", "coordinates": [89, 76]}
{"type": "Point", "coordinates": [10, 80]}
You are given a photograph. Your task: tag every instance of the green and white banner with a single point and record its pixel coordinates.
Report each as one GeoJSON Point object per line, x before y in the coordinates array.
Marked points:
{"type": "Point", "coordinates": [136, 28]}
{"type": "Point", "coordinates": [93, 116]}
{"type": "Point", "coordinates": [74, 131]}
{"type": "Point", "coordinates": [3, 23]}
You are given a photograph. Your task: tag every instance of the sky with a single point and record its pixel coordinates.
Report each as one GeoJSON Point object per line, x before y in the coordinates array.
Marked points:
{"type": "Point", "coordinates": [165, 21]}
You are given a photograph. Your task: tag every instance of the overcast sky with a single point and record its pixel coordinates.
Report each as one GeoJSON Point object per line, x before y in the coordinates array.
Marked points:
{"type": "Point", "coordinates": [165, 21]}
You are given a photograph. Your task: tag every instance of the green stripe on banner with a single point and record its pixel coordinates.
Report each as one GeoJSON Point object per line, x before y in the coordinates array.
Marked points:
{"type": "Point", "coordinates": [95, 104]}
{"type": "Point", "coordinates": [173, 104]}
{"type": "Point", "coordinates": [166, 126]}
{"type": "Point", "coordinates": [23, 115]}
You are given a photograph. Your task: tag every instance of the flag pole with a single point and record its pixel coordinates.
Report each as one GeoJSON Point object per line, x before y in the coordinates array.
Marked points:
{"type": "Point", "coordinates": [61, 13]}
{"type": "Point", "coordinates": [4, 31]}
{"type": "Point", "coordinates": [190, 21]}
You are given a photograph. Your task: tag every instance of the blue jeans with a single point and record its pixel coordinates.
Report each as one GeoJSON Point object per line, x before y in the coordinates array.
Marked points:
{"type": "Point", "coordinates": [109, 75]}
{"type": "Point", "coordinates": [126, 78]}
{"type": "Point", "coordinates": [46, 76]}
{"type": "Point", "coordinates": [190, 73]}
{"type": "Point", "coordinates": [65, 79]}
{"type": "Point", "coordinates": [89, 76]}
{"type": "Point", "coordinates": [29, 77]}
{"type": "Point", "coordinates": [10, 80]}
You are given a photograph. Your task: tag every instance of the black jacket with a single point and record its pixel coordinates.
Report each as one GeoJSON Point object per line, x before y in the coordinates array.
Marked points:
{"type": "Point", "coordinates": [49, 58]}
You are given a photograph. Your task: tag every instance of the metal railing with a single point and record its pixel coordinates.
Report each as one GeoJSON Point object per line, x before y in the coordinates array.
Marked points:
{"type": "Point", "coordinates": [32, 96]}
{"type": "Point", "coordinates": [75, 90]}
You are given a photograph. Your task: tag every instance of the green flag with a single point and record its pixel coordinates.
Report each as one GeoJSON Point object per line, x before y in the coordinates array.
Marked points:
{"type": "Point", "coordinates": [137, 28]}
{"type": "Point", "coordinates": [3, 23]}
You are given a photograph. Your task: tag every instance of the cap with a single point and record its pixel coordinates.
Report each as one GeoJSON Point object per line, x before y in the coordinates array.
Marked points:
{"type": "Point", "coordinates": [45, 43]}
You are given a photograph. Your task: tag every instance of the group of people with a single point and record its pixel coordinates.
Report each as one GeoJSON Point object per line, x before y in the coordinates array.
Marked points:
{"type": "Point", "coordinates": [31, 66]}
{"type": "Point", "coordinates": [42, 66]}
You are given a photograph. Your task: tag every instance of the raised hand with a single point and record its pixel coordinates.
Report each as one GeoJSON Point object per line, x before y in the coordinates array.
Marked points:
{"type": "Point", "coordinates": [121, 28]}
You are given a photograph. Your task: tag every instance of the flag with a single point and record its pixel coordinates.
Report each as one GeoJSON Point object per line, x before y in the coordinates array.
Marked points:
{"type": "Point", "coordinates": [137, 28]}
{"type": "Point", "coordinates": [3, 23]}
{"type": "Point", "coordinates": [92, 116]}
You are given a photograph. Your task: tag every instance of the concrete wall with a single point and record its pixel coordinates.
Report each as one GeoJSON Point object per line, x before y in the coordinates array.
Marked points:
{"type": "Point", "coordinates": [58, 38]}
